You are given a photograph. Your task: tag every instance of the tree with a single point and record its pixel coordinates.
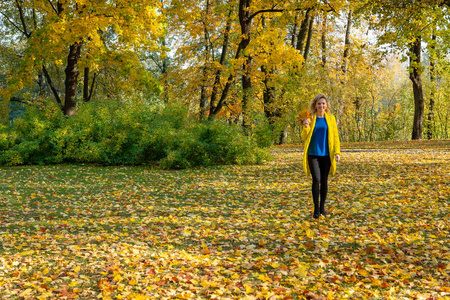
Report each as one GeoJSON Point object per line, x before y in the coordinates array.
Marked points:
{"type": "Point", "coordinates": [85, 31]}
{"type": "Point", "coordinates": [405, 24]}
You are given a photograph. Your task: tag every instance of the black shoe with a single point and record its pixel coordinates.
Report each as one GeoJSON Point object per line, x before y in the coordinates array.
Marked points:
{"type": "Point", "coordinates": [316, 216]}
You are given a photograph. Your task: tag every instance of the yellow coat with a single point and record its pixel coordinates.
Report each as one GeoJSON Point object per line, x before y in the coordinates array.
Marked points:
{"type": "Point", "coordinates": [334, 144]}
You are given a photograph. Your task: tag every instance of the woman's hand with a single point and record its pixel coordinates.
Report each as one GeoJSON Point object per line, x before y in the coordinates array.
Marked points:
{"type": "Point", "coordinates": [337, 157]}
{"type": "Point", "coordinates": [306, 122]}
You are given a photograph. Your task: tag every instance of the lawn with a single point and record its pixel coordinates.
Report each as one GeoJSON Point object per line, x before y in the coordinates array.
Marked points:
{"type": "Point", "coordinates": [231, 232]}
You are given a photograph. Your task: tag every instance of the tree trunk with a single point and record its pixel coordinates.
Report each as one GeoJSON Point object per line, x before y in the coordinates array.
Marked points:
{"type": "Point", "coordinates": [247, 93]}
{"type": "Point", "coordinates": [203, 100]}
{"type": "Point", "coordinates": [203, 97]}
{"type": "Point", "coordinates": [213, 107]}
{"type": "Point", "coordinates": [86, 85]}
{"type": "Point", "coordinates": [357, 103]}
{"type": "Point", "coordinates": [415, 76]}
{"type": "Point", "coordinates": [88, 91]}
{"type": "Point", "coordinates": [294, 32]}
{"type": "Point", "coordinates": [270, 110]}
{"type": "Point", "coordinates": [284, 135]}
{"type": "Point", "coordinates": [308, 40]}
{"type": "Point", "coordinates": [71, 83]}
{"type": "Point", "coordinates": [347, 42]}
{"type": "Point", "coordinates": [430, 126]}
{"type": "Point", "coordinates": [40, 83]}
{"type": "Point", "coordinates": [303, 31]}
{"type": "Point", "coordinates": [164, 70]}
{"type": "Point", "coordinates": [245, 22]}
{"type": "Point", "coordinates": [323, 41]}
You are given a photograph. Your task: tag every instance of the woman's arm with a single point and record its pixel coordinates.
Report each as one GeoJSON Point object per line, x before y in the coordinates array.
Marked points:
{"type": "Point", "coordinates": [337, 142]}
{"type": "Point", "coordinates": [306, 130]}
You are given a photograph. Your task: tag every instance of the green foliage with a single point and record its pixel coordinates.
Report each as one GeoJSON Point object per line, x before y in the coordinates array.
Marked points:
{"type": "Point", "coordinates": [213, 143]}
{"type": "Point", "coordinates": [32, 140]}
{"type": "Point", "coordinates": [263, 132]}
{"type": "Point", "coordinates": [127, 133]}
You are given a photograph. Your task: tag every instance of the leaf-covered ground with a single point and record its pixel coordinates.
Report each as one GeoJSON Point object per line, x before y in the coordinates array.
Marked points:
{"type": "Point", "coordinates": [231, 232]}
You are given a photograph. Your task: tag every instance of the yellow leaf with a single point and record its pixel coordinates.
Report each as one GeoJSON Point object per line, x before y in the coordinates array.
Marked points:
{"type": "Point", "coordinates": [73, 283]}
{"type": "Point", "coordinates": [117, 277]}
{"type": "Point", "coordinates": [263, 277]}
{"type": "Point", "coordinates": [302, 270]}
{"type": "Point", "coordinates": [363, 272]}
{"type": "Point", "coordinates": [248, 289]}
{"type": "Point", "coordinates": [26, 293]}
{"type": "Point", "coordinates": [262, 242]}
{"type": "Point", "coordinates": [204, 284]}
{"type": "Point", "coordinates": [25, 253]}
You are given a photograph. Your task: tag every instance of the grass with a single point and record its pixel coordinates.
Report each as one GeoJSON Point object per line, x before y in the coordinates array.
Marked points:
{"type": "Point", "coordinates": [231, 232]}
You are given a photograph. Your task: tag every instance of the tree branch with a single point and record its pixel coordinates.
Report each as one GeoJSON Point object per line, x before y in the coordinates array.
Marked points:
{"type": "Point", "coordinates": [331, 8]}
{"type": "Point", "coordinates": [19, 100]}
{"type": "Point", "coordinates": [52, 87]}
{"type": "Point", "coordinates": [92, 87]}
{"type": "Point", "coordinates": [54, 8]}
{"type": "Point", "coordinates": [12, 23]}
{"type": "Point", "coordinates": [272, 10]}
{"type": "Point", "coordinates": [22, 19]}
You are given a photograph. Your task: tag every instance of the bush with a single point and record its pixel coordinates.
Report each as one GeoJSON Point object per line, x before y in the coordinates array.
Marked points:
{"type": "Point", "coordinates": [213, 143]}
{"type": "Point", "coordinates": [267, 134]}
{"type": "Point", "coordinates": [263, 133]}
{"type": "Point", "coordinates": [31, 140]}
{"type": "Point", "coordinates": [125, 133]}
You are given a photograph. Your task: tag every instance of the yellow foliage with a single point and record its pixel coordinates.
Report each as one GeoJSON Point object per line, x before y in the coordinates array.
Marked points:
{"type": "Point", "coordinates": [102, 27]}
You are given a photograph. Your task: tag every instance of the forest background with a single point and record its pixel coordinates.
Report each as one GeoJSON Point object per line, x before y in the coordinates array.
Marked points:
{"type": "Point", "coordinates": [104, 73]}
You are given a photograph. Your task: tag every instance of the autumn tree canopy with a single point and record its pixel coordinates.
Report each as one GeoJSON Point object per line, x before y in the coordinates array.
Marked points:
{"type": "Point", "coordinates": [48, 37]}
{"type": "Point", "coordinates": [252, 62]}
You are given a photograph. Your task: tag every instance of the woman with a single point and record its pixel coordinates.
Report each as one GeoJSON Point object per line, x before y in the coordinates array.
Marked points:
{"type": "Point", "coordinates": [322, 150]}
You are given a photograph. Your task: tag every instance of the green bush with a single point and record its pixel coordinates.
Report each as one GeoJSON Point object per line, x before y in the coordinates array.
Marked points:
{"type": "Point", "coordinates": [32, 138]}
{"type": "Point", "coordinates": [124, 134]}
{"type": "Point", "coordinates": [263, 135]}
{"type": "Point", "coordinates": [214, 143]}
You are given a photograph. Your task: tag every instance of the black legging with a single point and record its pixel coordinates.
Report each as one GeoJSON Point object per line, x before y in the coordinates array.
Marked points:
{"type": "Point", "coordinates": [320, 167]}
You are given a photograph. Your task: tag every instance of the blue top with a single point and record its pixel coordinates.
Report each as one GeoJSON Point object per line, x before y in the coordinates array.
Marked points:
{"type": "Point", "coordinates": [319, 139]}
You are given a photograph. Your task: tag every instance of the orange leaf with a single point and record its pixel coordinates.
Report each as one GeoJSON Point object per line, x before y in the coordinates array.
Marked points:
{"type": "Point", "coordinates": [205, 251]}
{"type": "Point", "coordinates": [309, 245]}
{"type": "Point", "coordinates": [304, 114]}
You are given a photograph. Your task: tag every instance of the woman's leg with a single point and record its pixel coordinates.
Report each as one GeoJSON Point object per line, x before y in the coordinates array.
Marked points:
{"type": "Point", "coordinates": [314, 167]}
{"type": "Point", "coordinates": [324, 165]}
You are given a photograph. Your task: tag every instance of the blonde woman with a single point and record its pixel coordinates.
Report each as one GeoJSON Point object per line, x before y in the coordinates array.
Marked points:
{"type": "Point", "coordinates": [322, 150]}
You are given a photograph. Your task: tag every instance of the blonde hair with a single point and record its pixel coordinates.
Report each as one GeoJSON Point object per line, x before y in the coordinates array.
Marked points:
{"type": "Point", "coordinates": [312, 105]}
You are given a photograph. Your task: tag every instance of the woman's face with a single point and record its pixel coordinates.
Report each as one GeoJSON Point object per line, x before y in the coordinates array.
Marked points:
{"type": "Point", "coordinates": [321, 105]}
